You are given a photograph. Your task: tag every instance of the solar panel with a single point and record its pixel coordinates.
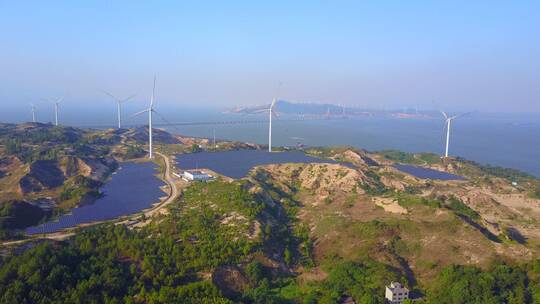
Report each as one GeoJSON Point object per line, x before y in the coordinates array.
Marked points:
{"type": "Point", "coordinates": [132, 189]}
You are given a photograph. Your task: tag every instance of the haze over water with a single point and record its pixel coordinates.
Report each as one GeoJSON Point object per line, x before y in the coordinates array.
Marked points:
{"type": "Point", "coordinates": [507, 140]}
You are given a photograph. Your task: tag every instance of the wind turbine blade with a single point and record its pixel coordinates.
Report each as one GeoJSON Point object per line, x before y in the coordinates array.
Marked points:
{"type": "Point", "coordinates": [273, 103]}
{"type": "Point", "coordinates": [260, 111]}
{"type": "Point", "coordinates": [140, 112]}
{"type": "Point", "coordinates": [59, 100]}
{"type": "Point", "coordinates": [110, 95]}
{"type": "Point", "coordinates": [460, 115]}
{"type": "Point", "coordinates": [444, 114]}
{"type": "Point", "coordinates": [127, 99]}
{"type": "Point", "coordinates": [153, 92]}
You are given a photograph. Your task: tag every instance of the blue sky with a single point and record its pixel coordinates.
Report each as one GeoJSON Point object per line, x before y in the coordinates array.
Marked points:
{"type": "Point", "coordinates": [466, 55]}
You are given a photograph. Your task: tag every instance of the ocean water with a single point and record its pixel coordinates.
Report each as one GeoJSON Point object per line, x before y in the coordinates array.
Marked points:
{"type": "Point", "coordinates": [507, 140]}
{"type": "Point", "coordinates": [512, 142]}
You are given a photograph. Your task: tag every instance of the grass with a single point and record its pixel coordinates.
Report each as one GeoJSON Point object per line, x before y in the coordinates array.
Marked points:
{"type": "Point", "coordinates": [536, 193]}
{"type": "Point", "coordinates": [406, 201]}
{"type": "Point", "coordinates": [460, 208]}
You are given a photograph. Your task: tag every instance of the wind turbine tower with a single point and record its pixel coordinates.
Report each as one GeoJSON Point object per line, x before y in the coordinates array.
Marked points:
{"type": "Point", "coordinates": [119, 103]}
{"type": "Point", "coordinates": [56, 107]}
{"type": "Point", "coordinates": [33, 112]}
{"type": "Point", "coordinates": [449, 120]}
{"type": "Point", "coordinates": [270, 114]}
{"type": "Point", "coordinates": [150, 110]}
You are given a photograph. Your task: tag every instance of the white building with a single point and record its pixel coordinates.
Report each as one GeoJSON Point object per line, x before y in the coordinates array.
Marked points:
{"type": "Point", "coordinates": [396, 293]}
{"type": "Point", "coordinates": [196, 175]}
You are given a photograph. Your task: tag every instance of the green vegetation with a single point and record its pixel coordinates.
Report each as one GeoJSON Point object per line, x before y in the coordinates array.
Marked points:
{"type": "Point", "coordinates": [195, 148]}
{"type": "Point", "coordinates": [406, 200]}
{"type": "Point", "coordinates": [210, 227]}
{"type": "Point", "coordinates": [460, 208]}
{"type": "Point", "coordinates": [78, 188]}
{"type": "Point", "coordinates": [134, 151]}
{"type": "Point", "coordinates": [411, 158]}
{"type": "Point", "coordinates": [536, 193]}
{"type": "Point", "coordinates": [399, 156]}
{"type": "Point", "coordinates": [374, 186]}
{"type": "Point", "coordinates": [512, 175]}
{"type": "Point", "coordinates": [364, 282]}
{"type": "Point", "coordinates": [501, 283]}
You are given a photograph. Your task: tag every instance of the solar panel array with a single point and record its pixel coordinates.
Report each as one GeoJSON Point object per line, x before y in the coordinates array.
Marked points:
{"type": "Point", "coordinates": [238, 163]}
{"type": "Point", "coordinates": [427, 173]}
{"type": "Point", "coordinates": [133, 188]}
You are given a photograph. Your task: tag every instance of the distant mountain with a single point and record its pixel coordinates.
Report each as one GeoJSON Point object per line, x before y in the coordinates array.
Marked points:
{"type": "Point", "coordinates": [328, 109]}
{"type": "Point", "coordinates": [288, 107]}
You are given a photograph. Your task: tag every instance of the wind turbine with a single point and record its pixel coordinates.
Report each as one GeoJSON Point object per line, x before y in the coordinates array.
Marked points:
{"type": "Point", "coordinates": [119, 103]}
{"type": "Point", "coordinates": [56, 104]}
{"type": "Point", "coordinates": [33, 112]}
{"type": "Point", "coordinates": [271, 113]}
{"type": "Point", "coordinates": [448, 123]}
{"type": "Point", "coordinates": [150, 110]}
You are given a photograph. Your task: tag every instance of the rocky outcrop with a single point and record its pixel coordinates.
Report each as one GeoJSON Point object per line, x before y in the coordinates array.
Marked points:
{"type": "Point", "coordinates": [359, 158]}
{"type": "Point", "coordinates": [230, 280]}
{"type": "Point", "coordinates": [323, 179]}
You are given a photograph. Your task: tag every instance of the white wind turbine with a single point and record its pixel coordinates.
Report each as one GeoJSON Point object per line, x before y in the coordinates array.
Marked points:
{"type": "Point", "coordinates": [33, 112]}
{"type": "Point", "coordinates": [119, 103]}
{"type": "Point", "coordinates": [448, 123]}
{"type": "Point", "coordinates": [56, 104]}
{"type": "Point", "coordinates": [271, 113]}
{"type": "Point", "coordinates": [150, 110]}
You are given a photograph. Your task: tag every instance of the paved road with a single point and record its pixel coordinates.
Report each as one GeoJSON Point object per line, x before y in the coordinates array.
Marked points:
{"type": "Point", "coordinates": [173, 193]}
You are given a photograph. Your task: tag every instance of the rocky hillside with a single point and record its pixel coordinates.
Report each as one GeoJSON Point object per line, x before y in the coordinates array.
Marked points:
{"type": "Point", "coordinates": [310, 233]}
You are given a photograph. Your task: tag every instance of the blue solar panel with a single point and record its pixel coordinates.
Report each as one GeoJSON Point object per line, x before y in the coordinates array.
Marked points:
{"type": "Point", "coordinates": [132, 189]}
{"type": "Point", "coordinates": [426, 173]}
{"type": "Point", "coordinates": [237, 164]}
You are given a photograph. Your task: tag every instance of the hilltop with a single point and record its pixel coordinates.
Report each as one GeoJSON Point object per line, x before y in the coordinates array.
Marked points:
{"type": "Point", "coordinates": [46, 170]}
{"type": "Point", "coordinates": [306, 233]}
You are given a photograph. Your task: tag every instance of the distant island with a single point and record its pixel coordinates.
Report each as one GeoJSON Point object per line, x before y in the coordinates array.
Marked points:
{"type": "Point", "coordinates": [450, 230]}
{"type": "Point", "coordinates": [330, 110]}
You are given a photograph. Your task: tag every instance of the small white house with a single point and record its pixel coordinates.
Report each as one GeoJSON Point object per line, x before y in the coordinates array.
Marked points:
{"type": "Point", "coordinates": [396, 293]}
{"type": "Point", "coordinates": [196, 175]}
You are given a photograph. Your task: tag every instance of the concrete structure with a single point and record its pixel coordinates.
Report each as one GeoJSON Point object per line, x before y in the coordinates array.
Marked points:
{"type": "Point", "coordinates": [396, 293]}
{"type": "Point", "coordinates": [195, 175]}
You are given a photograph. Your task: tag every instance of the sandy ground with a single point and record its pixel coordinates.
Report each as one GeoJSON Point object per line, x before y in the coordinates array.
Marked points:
{"type": "Point", "coordinates": [389, 205]}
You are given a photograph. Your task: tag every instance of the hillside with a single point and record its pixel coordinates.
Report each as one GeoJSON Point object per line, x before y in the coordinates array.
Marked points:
{"type": "Point", "coordinates": [312, 233]}
{"type": "Point", "coordinates": [46, 170]}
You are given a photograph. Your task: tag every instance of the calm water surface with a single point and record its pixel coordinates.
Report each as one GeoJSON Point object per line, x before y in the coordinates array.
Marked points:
{"type": "Point", "coordinates": [133, 188]}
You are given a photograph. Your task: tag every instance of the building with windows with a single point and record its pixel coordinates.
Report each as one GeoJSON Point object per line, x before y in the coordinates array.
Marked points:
{"type": "Point", "coordinates": [396, 293]}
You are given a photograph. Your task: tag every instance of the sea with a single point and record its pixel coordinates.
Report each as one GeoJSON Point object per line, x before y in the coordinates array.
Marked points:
{"type": "Point", "coordinates": [507, 140]}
